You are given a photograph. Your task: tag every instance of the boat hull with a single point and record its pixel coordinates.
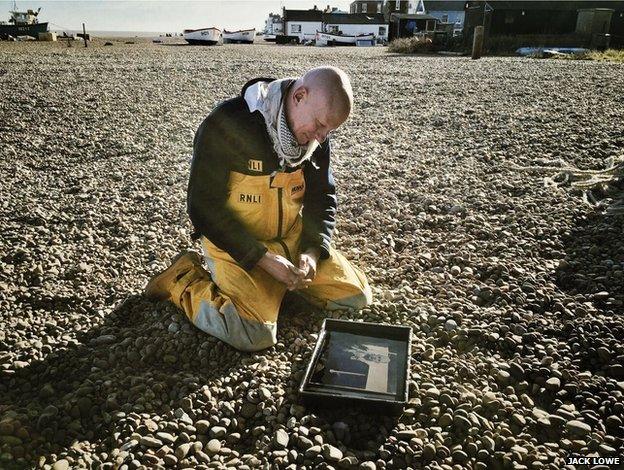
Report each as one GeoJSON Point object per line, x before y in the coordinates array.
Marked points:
{"type": "Point", "coordinates": [239, 37]}
{"type": "Point", "coordinates": [23, 30]}
{"type": "Point", "coordinates": [328, 39]}
{"type": "Point", "coordinates": [203, 37]}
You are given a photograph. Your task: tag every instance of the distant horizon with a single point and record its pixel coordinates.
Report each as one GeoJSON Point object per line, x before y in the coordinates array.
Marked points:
{"type": "Point", "coordinates": [159, 16]}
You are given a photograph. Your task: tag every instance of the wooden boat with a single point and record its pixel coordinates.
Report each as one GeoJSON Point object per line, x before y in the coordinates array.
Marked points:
{"type": "Point", "coordinates": [242, 36]}
{"type": "Point", "coordinates": [332, 39]}
{"type": "Point", "coordinates": [203, 36]}
{"type": "Point", "coordinates": [22, 23]}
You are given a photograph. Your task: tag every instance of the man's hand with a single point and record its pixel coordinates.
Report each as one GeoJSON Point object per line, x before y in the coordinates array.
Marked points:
{"type": "Point", "coordinates": [307, 263]}
{"type": "Point", "coordinates": [282, 270]}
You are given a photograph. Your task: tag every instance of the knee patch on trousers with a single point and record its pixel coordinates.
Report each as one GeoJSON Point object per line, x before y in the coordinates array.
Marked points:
{"type": "Point", "coordinates": [241, 333]}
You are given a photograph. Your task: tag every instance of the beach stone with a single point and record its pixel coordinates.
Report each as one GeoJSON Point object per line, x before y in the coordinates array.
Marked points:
{"type": "Point", "coordinates": [578, 428]}
{"type": "Point", "coordinates": [281, 439]}
{"type": "Point", "coordinates": [502, 377]}
{"type": "Point", "coordinates": [170, 460]}
{"type": "Point", "coordinates": [62, 464]}
{"type": "Point", "coordinates": [516, 371]}
{"type": "Point", "coordinates": [166, 437]}
{"type": "Point", "coordinates": [218, 432]}
{"type": "Point", "coordinates": [129, 445]}
{"type": "Point", "coordinates": [182, 450]}
{"type": "Point", "coordinates": [202, 426]}
{"type": "Point", "coordinates": [331, 453]}
{"type": "Point", "coordinates": [248, 410]}
{"type": "Point", "coordinates": [213, 446]}
{"type": "Point", "coordinates": [518, 419]}
{"type": "Point", "coordinates": [553, 384]}
{"type": "Point", "coordinates": [459, 456]}
{"type": "Point", "coordinates": [429, 452]}
{"type": "Point", "coordinates": [149, 441]}
{"type": "Point", "coordinates": [312, 452]}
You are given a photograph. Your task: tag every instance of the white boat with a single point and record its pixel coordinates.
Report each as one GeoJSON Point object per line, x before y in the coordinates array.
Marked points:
{"type": "Point", "coordinates": [269, 37]}
{"type": "Point", "coordinates": [331, 39]}
{"type": "Point", "coordinates": [242, 36]}
{"type": "Point", "coordinates": [203, 36]}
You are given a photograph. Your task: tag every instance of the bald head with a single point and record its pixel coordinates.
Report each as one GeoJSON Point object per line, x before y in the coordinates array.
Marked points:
{"type": "Point", "coordinates": [334, 84]}
{"type": "Point", "coordinates": [318, 103]}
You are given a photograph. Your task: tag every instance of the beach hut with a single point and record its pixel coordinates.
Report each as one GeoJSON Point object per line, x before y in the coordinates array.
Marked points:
{"type": "Point", "coordinates": [404, 25]}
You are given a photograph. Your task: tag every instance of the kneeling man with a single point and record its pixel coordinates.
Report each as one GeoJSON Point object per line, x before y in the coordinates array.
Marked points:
{"type": "Point", "coordinates": [261, 197]}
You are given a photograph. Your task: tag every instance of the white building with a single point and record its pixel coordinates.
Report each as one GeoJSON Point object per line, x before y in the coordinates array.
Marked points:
{"type": "Point", "coordinates": [273, 25]}
{"type": "Point", "coordinates": [302, 24]}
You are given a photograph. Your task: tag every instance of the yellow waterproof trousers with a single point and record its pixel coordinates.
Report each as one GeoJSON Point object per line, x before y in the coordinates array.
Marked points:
{"type": "Point", "coordinates": [241, 307]}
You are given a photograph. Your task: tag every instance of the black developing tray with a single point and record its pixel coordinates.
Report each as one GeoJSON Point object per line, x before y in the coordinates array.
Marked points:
{"type": "Point", "coordinates": [358, 363]}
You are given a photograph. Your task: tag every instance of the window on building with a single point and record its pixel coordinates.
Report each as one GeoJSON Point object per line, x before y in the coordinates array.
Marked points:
{"type": "Point", "coordinates": [444, 18]}
{"type": "Point", "coordinates": [295, 28]}
{"type": "Point", "coordinates": [382, 31]}
{"type": "Point", "coordinates": [378, 7]}
{"type": "Point", "coordinates": [364, 7]}
{"type": "Point", "coordinates": [332, 28]}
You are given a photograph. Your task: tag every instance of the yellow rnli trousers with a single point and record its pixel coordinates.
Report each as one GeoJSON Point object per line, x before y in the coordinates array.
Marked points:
{"type": "Point", "coordinates": [241, 307]}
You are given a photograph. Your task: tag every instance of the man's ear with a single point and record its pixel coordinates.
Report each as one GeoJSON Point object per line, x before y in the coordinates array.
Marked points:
{"type": "Point", "coordinates": [300, 94]}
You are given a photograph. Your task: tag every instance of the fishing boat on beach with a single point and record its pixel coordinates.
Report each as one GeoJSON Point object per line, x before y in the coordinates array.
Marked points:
{"type": "Point", "coordinates": [242, 36]}
{"type": "Point", "coordinates": [203, 36]}
{"type": "Point", "coordinates": [22, 23]}
{"type": "Point", "coordinates": [332, 39]}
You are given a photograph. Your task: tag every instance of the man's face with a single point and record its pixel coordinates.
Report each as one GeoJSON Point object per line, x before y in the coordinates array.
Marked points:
{"type": "Point", "coordinates": [312, 117]}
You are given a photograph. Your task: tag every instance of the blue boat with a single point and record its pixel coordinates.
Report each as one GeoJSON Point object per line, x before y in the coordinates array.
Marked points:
{"type": "Point", "coordinates": [533, 51]}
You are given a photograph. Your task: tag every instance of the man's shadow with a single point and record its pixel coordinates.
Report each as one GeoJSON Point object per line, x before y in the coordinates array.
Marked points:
{"type": "Point", "coordinates": [133, 363]}
{"type": "Point", "coordinates": [592, 273]}
{"type": "Point", "coordinates": [101, 388]}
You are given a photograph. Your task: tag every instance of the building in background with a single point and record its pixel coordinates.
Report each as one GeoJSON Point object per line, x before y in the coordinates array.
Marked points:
{"type": "Point", "coordinates": [302, 24]}
{"type": "Point", "coordinates": [396, 6]}
{"type": "Point", "coordinates": [447, 12]}
{"type": "Point", "coordinates": [273, 26]}
{"type": "Point", "coordinates": [553, 20]}
{"type": "Point", "coordinates": [368, 7]}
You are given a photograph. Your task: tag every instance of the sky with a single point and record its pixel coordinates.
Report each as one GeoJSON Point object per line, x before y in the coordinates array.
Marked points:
{"type": "Point", "coordinates": [159, 15]}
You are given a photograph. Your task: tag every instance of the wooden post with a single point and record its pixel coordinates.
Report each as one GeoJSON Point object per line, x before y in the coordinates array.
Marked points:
{"type": "Point", "coordinates": [477, 42]}
{"type": "Point", "coordinates": [84, 34]}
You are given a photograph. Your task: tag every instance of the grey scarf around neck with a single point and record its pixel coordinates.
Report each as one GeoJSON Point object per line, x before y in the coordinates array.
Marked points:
{"type": "Point", "coordinates": [267, 97]}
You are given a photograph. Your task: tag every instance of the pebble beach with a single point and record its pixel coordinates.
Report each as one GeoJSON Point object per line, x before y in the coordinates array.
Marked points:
{"type": "Point", "coordinates": [513, 288]}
